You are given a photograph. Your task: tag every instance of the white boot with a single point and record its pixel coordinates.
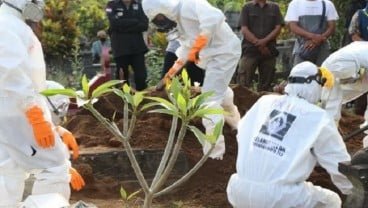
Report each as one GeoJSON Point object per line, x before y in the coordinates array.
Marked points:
{"type": "Point", "coordinates": [219, 149]}
{"type": "Point", "coordinates": [233, 117]}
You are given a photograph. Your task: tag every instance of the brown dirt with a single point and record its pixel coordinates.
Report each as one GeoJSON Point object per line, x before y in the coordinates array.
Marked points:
{"type": "Point", "coordinates": [207, 188]}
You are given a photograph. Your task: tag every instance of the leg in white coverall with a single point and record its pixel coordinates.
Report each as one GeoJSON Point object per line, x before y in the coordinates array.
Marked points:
{"type": "Point", "coordinates": [243, 194]}
{"type": "Point", "coordinates": [219, 72]}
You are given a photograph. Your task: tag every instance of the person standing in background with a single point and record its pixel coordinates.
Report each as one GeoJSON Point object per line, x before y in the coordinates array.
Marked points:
{"type": "Point", "coordinates": [102, 42]}
{"type": "Point", "coordinates": [127, 24]}
{"type": "Point", "coordinates": [358, 28]}
{"type": "Point", "coordinates": [261, 22]}
{"type": "Point", "coordinates": [304, 18]}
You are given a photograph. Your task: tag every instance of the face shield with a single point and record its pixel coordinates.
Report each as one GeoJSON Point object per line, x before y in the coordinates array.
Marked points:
{"type": "Point", "coordinates": [31, 10]}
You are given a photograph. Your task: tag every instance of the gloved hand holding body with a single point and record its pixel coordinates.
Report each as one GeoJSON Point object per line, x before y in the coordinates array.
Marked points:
{"type": "Point", "coordinates": [41, 128]}
{"type": "Point", "coordinates": [69, 141]}
{"type": "Point", "coordinates": [199, 44]}
{"type": "Point", "coordinates": [76, 180]}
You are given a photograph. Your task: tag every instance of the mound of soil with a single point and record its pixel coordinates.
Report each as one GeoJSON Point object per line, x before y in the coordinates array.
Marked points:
{"type": "Point", "coordinates": [208, 186]}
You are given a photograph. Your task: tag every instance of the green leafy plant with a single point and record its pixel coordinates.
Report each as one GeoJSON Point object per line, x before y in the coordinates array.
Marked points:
{"type": "Point", "coordinates": [127, 198]}
{"type": "Point", "coordinates": [58, 28]}
{"type": "Point", "coordinates": [181, 106]}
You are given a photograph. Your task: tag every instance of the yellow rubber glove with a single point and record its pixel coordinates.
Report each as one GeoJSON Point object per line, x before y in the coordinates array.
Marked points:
{"type": "Point", "coordinates": [76, 180]}
{"type": "Point", "coordinates": [41, 128]}
{"type": "Point", "coordinates": [201, 42]}
{"type": "Point", "coordinates": [69, 141]}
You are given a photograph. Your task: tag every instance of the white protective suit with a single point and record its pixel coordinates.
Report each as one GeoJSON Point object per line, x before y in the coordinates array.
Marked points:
{"type": "Point", "coordinates": [219, 57]}
{"type": "Point", "coordinates": [346, 64]}
{"type": "Point", "coordinates": [22, 77]}
{"type": "Point", "coordinates": [280, 140]}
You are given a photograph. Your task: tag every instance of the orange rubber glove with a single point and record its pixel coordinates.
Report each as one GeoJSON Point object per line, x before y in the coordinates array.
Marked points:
{"type": "Point", "coordinates": [173, 71]}
{"type": "Point", "coordinates": [201, 42]}
{"type": "Point", "coordinates": [76, 180]}
{"type": "Point", "coordinates": [41, 128]}
{"type": "Point", "coordinates": [69, 141]}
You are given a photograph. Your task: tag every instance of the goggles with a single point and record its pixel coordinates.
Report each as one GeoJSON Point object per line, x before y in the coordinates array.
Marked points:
{"type": "Point", "coordinates": [323, 77]}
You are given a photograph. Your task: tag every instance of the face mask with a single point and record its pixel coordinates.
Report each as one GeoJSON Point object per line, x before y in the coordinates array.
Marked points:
{"type": "Point", "coordinates": [164, 24]}
{"type": "Point", "coordinates": [102, 39]}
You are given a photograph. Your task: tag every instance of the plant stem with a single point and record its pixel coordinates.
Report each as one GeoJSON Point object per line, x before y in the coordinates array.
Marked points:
{"type": "Point", "coordinates": [115, 131]}
{"type": "Point", "coordinates": [173, 158]}
{"type": "Point", "coordinates": [186, 176]}
{"type": "Point", "coordinates": [148, 200]}
{"type": "Point", "coordinates": [167, 151]}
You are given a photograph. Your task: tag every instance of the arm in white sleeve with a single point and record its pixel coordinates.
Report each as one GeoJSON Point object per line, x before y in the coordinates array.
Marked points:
{"type": "Point", "coordinates": [330, 149]}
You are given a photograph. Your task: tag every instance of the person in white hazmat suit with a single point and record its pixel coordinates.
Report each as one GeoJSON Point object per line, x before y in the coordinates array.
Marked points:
{"type": "Point", "coordinates": [28, 143]}
{"type": "Point", "coordinates": [280, 140]}
{"type": "Point", "coordinates": [206, 39]}
{"type": "Point", "coordinates": [349, 66]}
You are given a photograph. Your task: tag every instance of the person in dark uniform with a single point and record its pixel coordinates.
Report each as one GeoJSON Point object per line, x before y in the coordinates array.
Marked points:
{"type": "Point", "coordinates": [127, 24]}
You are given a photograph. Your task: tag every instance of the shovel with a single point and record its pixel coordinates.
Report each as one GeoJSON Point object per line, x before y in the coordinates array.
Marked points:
{"type": "Point", "coordinates": [354, 133]}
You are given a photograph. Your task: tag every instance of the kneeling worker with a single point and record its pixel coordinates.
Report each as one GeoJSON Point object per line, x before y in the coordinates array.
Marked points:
{"type": "Point", "coordinates": [281, 139]}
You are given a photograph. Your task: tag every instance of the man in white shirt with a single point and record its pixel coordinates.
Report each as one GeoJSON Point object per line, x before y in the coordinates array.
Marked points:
{"type": "Point", "coordinates": [304, 17]}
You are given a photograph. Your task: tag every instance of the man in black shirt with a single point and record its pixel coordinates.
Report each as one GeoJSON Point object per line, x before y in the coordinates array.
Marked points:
{"type": "Point", "coordinates": [127, 24]}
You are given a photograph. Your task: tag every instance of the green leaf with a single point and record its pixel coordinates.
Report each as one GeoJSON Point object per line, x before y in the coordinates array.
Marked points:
{"type": "Point", "coordinates": [182, 104]}
{"type": "Point", "coordinates": [218, 129]}
{"type": "Point", "coordinates": [126, 88]}
{"type": "Point", "coordinates": [185, 78]}
{"type": "Point", "coordinates": [202, 98]}
{"type": "Point", "coordinates": [163, 102]}
{"type": "Point", "coordinates": [133, 194]}
{"type": "Point", "coordinates": [207, 111]}
{"type": "Point", "coordinates": [138, 98]}
{"type": "Point", "coordinates": [100, 90]}
{"type": "Point", "coordinates": [123, 193]}
{"type": "Point", "coordinates": [85, 85]}
{"type": "Point", "coordinates": [66, 92]}
{"type": "Point", "coordinates": [126, 97]}
{"type": "Point", "coordinates": [165, 111]}
{"type": "Point", "coordinates": [175, 88]}
{"type": "Point", "coordinates": [198, 133]}
{"type": "Point", "coordinates": [149, 105]}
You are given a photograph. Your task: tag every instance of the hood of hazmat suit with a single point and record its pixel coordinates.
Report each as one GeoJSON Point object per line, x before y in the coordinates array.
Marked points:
{"type": "Point", "coordinates": [310, 91]}
{"type": "Point", "coordinates": [58, 104]}
{"type": "Point", "coordinates": [170, 9]}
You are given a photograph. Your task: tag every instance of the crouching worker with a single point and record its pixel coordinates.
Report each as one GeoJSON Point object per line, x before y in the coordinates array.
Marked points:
{"type": "Point", "coordinates": [28, 143]}
{"type": "Point", "coordinates": [208, 41]}
{"type": "Point", "coordinates": [59, 105]}
{"type": "Point", "coordinates": [280, 140]}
